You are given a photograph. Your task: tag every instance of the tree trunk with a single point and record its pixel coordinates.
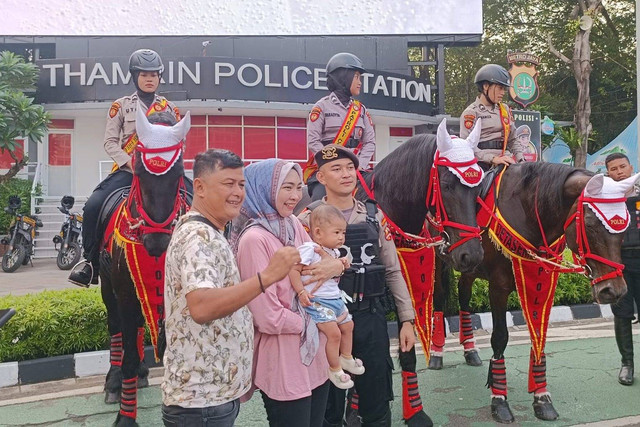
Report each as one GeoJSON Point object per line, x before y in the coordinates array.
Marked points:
{"type": "Point", "coordinates": [15, 168]}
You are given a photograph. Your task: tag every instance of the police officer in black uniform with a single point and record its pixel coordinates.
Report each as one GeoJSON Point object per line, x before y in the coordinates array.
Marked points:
{"type": "Point", "coordinates": [619, 168]}
{"type": "Point", "coordinates": [374, 265]}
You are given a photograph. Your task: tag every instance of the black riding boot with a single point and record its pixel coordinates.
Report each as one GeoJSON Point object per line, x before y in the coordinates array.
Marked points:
{"type": "Point", "coordinates": [624, 338]}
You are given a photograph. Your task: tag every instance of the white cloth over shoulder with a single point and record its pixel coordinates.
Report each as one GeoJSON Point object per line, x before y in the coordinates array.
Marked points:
{"type": "Point", "coordinates": [308, 256]}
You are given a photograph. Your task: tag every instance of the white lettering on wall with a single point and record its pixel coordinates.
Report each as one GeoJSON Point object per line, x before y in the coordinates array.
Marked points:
{"type": "Point", "coordinates": [68, 74]}
{"type": "Point", "coordinates": [294, 77]}
{"type": "Point", "coordinates": [98, 72]}
{"type": "Point", "coordinates": [241, 76]}
{"type": "Point", "coordinates": [380, 85]}
{"type": "Point", "coordinates": [52, 73]}
{"type": "Point", "coordinates": [182, 68]}
{"type": "Point", "coordinates": [230, 70]}
{"type": "Point", "coordinates": [267, 78]}
{"type": "Point", "coordinates": [116, 71]}
{"type": "Point", "coordinates": [318, 82]}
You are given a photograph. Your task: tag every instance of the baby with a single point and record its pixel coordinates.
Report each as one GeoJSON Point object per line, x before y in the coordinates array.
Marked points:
{"type": "Point", "coordinates": [323, 301]}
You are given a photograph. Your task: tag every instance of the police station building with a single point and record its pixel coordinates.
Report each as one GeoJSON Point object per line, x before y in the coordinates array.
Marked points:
{"type": "Point", "coordinates": [249, 94]}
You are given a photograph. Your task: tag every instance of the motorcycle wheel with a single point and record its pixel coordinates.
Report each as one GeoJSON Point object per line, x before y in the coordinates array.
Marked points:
{"type": "Point", "coordinates": [68, 257]}
{"type": "Point", "coordinates": [13, 259]}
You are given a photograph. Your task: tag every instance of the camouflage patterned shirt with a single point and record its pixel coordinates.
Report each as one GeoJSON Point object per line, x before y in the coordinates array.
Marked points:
{"type": "Point", "coordinates": [209, 364]}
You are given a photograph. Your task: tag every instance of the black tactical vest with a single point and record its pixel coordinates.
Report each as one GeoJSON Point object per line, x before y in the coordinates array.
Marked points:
{"type": "Point", "coordinates": [632, 235]}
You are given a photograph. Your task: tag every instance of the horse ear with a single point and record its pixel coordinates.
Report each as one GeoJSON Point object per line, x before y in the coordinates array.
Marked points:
{"type": "Point", "coordinates": [181, 128]}
{"type": "Point", "coordinates": [443, 139]}
{"type": "Point", "coordinates": [626, 185]}
{"type": "Point", "coordinates": [143, 127]}
{"type": "Point", "coordinates": [594, 186]}
{"type": "Point", "coordinates": [474, 137]}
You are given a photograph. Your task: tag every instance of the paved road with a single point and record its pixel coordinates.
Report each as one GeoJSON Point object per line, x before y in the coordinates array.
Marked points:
{"type": "Point", "coordinates": [582, 374]}
{"type": "Point", "coordinates": [43, 275]}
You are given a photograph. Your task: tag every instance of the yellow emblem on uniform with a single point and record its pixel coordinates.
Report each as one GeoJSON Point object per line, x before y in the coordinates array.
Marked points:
{"type": "Point", "coordinates": [329, 153]}
{"type": "Point", "coordinates": [356, 106]}
{"type": "Point", "coordinates": [315, 114]}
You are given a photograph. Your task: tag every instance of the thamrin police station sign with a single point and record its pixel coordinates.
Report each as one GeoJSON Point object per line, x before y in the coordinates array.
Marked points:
{"type": "Point", "coordinates": [219, 78]}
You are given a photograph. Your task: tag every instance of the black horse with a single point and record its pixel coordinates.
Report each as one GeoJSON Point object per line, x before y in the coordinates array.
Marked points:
{"type": "Point", "coordinates": [144, 221]}
{"type": "Point", "coordinates": [540, 201]}
{"type": "Point", "coordinates": [423, 200]}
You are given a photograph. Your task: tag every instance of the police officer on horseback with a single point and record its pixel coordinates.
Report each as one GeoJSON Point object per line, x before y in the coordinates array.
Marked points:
{"type": "Point", "coordinates": [339, 119]}
{"type": "Point", "coordinates": [498, 144]}
{"type": "Point", "coordinates": [374, 265]}
{"type": "Point", "coordinates": [120, 139]}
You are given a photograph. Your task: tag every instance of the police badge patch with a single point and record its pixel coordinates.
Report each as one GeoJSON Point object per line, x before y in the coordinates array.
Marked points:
{"type": "Point", "coordinates": [315, 113]}
{"type": "Point", "coordinates": [115, 107]}
{"type": "Point", "coordinates": [468, 120]}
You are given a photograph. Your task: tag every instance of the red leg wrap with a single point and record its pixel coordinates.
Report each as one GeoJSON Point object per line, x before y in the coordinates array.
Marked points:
{"type": "Point", "coordinates": [411, 401]}
{"type": "Point", "coordinates": [129, 398]}
{"type": "Point", "coordinates": [140, 343]}
{"type": "Point", "coordinates": [115, 350]}
{"type": "Point", "coordinates": [437, 340]}
{"type": "Point", "coordinates": [497, 379]}
{"type": "Point", "coordinates": [353, 401]}
{"type": "Point", "coordinates": [466, 330]}
{"type": "Point", "coordinates": [537, 374]}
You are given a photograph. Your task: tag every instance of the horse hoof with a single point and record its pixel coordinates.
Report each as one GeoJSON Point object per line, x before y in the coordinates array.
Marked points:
{"type": "Point", "coordinates": [543, 408]}
{"type": "Point", "coordinates": [500, 411]}
{"type": "Point", "coordinates": [420, 419]}
{"type": "Point", "coordinates": [473, 358]}
{"type": "Point", "coordinates": [435, 362]}
{"type": "Point", "coordinates": [111, 396]}
{"type": "Point", "coordinates": [143, 382]}
{"type": "Point", "coordinates": [122, 421]}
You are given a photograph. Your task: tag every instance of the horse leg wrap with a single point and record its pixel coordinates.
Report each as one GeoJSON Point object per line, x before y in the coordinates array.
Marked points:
{"type": "Point", "coordinates": [466, 337]}
{"type": "Point", "coordinates": [411, 401]}
{"type": "Point", "coordinates": [353, 401]}
{"type": "Point", "coordinates": [437, 340]}
{"type": "Point", "coordinates": [129, 398]}
{"type": "Point", "coordinates": [115, 350]}
{"type": "Point", "coordinates": [140, 343]}
{"type": "Point", "coordinates": [537, 374]}
{"type": "Point", "coordinates": [497, 379]}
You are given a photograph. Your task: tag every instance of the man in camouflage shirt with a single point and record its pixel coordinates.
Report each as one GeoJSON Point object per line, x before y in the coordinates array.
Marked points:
{"type": "Point", "coordinates": [209, 329]}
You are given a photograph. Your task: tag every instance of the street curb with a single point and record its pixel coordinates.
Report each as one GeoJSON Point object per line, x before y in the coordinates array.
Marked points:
{"type": "Point", "coordinates": [97, 362]}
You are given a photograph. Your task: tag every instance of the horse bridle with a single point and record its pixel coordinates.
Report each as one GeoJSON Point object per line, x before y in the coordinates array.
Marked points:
{"type": "Point", "coordinates": [434, 199]}
{"type": "Point", "coordinates": [144, 222]}
{"type": "Point", "coordinates": [584, 250]}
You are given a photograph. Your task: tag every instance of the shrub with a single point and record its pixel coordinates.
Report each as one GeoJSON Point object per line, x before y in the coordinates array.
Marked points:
{"type": "Point", "coordinates": [53, 323]}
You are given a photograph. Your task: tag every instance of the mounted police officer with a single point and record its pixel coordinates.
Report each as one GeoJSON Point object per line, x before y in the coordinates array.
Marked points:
{"type": "Point", "coordinates": [619, 168]}
{"type": "Point", "coordinates": [374, 265]}
{"type": "Point", "coordinates": [120, 139]}
{"type": "Point", "coordinates": [498, 144]}
{"type": "Point", "coordinates": [339, 119]}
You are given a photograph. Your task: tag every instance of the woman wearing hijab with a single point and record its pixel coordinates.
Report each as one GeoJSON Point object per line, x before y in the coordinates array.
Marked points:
{"type": "Point", "coordinates": [287, 367]}
{"type": "Point", "coordinates": [339, 119]}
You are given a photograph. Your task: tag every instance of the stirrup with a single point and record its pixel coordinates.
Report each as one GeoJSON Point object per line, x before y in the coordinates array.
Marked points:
{"type": "Point", "coordinates": [73, 271]}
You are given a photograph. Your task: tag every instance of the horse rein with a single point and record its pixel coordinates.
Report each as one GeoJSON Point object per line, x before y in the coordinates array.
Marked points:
{"type": "Point", "coordinates": [584, 250]}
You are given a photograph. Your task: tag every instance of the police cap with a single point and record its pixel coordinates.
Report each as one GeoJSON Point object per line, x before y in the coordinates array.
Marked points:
{"type": "Point", "coordinates": [332, 152]}
{"type": "Point", "coordinates": [345, 60]}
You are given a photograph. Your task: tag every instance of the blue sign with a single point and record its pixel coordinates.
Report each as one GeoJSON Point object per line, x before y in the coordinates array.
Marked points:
{"type": "Point", "coordinates": [547, 126]}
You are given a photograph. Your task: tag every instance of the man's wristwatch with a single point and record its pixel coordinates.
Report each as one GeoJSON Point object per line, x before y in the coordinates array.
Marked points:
{"type": "Point", "coordinates": [412, 321]}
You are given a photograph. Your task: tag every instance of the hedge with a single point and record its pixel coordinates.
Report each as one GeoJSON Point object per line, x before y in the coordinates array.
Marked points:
{"type": "Point", "coordinates": [15, 187]}
{"type": "Point", "coordinates": [53, 323]}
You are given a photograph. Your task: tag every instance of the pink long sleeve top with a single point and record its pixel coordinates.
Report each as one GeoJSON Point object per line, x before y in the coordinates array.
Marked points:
{"type": "Point", "coordinates": [277, 366]}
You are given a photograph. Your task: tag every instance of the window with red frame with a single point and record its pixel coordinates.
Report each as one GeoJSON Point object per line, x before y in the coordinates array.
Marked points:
{"type": "Point", "coordinates": [59, 149]}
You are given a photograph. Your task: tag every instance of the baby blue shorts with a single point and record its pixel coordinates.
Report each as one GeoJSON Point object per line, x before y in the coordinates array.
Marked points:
{"type": "Point", "coordinates": [324, 310]}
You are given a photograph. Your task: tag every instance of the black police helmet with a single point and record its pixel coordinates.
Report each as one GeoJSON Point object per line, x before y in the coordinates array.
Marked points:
{"type": "Point", "coordinates": [145, 60]}
{"type": "Point", "coordinates": [494, 74]}
{"type": "Point", "coordinates": [15, 202]}
{"type": "Point", "coordinates": [345, 60]}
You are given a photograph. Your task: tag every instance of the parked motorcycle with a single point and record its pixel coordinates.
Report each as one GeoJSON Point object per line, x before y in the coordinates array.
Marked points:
{"type": "Point", "coordinates": [22, 234]}
{"type": "Point", "coordinates": [70, 237]}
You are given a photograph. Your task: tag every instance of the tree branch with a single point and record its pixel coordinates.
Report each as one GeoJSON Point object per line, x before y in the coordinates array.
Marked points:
{"type": "Point", "coordinates": [610, 23]}
{"type": "Point", "coordinates": [555, 51]}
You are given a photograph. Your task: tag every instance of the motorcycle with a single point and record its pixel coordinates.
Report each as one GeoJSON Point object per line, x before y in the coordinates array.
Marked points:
{"type": "Point", "coordinates": [22, 234]}
{"type": "Point", "coordinates": [70, 237]}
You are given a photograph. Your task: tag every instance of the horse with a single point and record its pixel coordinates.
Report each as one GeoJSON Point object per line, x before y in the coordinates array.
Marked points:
{"type": "Point", "coordinates": [426, 190]}
{"type": "Point", "coordinates": [132, 257]}
{"type": "Point", "coordinates": [540, 208]}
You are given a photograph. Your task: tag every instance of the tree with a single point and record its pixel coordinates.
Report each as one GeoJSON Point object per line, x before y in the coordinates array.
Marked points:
{"type": "Point", "coordinates": [19, 116]}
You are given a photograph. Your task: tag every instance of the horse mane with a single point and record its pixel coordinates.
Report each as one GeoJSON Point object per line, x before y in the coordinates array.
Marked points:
{"type": "Point", "coordinates": [547, 176]}
{"type": "Point", "coordinates": [163, 118]}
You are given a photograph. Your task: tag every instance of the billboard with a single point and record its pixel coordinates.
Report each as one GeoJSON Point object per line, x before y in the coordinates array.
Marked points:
{"type": "Point", "coordinates": [241, 17]}
{"type": "Point", "coordinates": [527, 129]}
